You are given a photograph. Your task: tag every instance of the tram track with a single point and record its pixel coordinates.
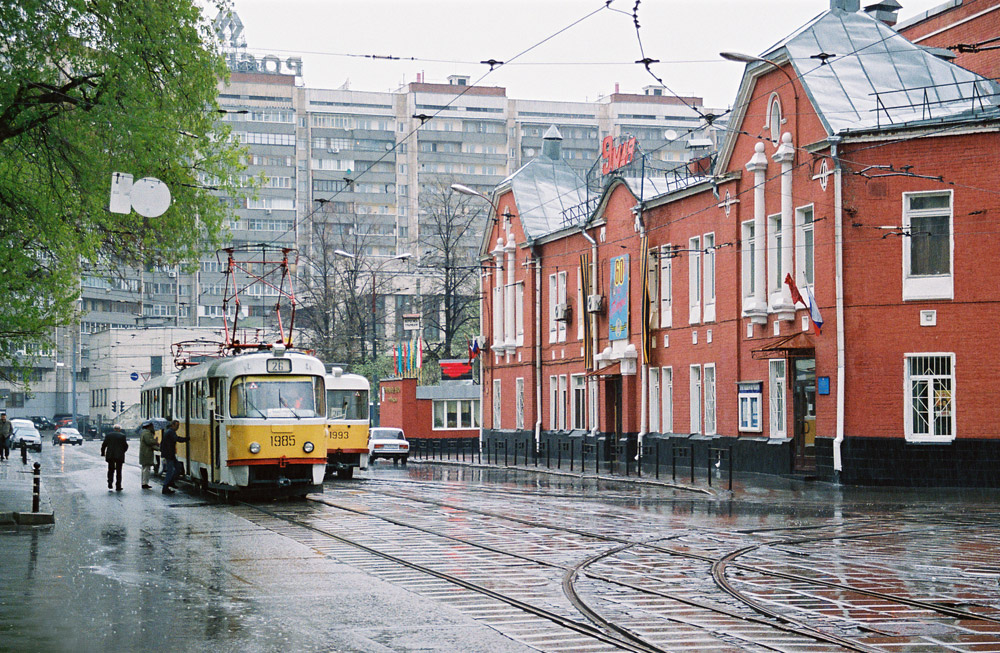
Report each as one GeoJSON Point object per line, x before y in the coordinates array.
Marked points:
{"type": "Point", "coordinates": [720, 564]}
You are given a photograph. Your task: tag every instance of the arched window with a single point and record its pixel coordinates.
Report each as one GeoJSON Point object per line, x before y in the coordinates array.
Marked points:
{"type": "Point", "coordinates": [774, 118]}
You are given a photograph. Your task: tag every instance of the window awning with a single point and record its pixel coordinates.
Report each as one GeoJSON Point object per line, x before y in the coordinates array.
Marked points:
{"type": "Point", "coordinates": [797, 345]}
{"type": "Point", "coordinates": [615, 369]}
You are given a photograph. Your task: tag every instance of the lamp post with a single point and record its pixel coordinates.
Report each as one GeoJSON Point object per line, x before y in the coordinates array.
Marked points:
{"type": "Point", "coordinates": [374, 271]}
{"type": "Point", "coordinates": [740, 57]}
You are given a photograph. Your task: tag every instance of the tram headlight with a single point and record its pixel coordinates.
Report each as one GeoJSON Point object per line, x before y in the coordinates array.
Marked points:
{"type": "Point", "coordinates": [308, 447]}
{"type": "Point", "coordinates": [255, 447]}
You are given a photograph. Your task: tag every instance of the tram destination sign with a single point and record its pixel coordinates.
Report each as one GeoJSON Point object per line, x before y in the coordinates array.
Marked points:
{"type": "Point", "coordinates": [279, 365]}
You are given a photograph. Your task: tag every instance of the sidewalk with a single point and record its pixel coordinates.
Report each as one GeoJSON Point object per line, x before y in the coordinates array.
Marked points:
{"type": "Point", "coordinates": [16, 488]}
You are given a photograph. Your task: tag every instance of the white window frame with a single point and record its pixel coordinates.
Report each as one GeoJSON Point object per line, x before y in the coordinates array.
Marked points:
{"type": "Point", "coordinates": [749, 260]}
{"type": "Point", "coordinates": [563, 400]}
{"type": "Point", "coordinates": [936, 394]}
{"type": "Point", "coordinates": [666, 287]}
{"type": "Point", "coordinates": [667, 399]}
{"type": "Point", "coordinates": [578, 384]}
{"type": "Point", "coordinates": [694, 280]}
{"type": "Point", "coordinates": [709, 384]}
{"type": "Point", "coordinates": [695, 397]}
{"type": "Point", "coordinates": [940, 286]}
{"type": "Point", "coordinates": [553, 300]}
{"type": "Point", "coordinates": [519, 313]}
{"type": "Point", "coordinates": [774, 102]}
{"type": "Point", "coordinates": [519, 403]}
{"type": "Point", "coordinates": [580, 303]}
{"type": "Point", "coordinates": [654, 400]}
{"type": "Point", "coordinates": [653, 284]}
{"type": "Point", "coordinates": [777, 374]}
{"type": "Point", "coordinates": [774, 271]}
{"type": "Point", "coordinates": [805, 247]}
{"type": "Point", "coordinates": [561, 327]}
{"type": "Point", "coordinates": [750, 402]}
{"type": "Point", "coordinates": [553, 402]}
{"type": "Point", "coordinates": [497, 412]}
{"type": "Point", "coordinates": [708, 278]}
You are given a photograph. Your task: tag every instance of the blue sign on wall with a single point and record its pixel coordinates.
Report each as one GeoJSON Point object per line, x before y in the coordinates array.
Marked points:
{"type": "Point", "coordinates": [134, 376]}
{"type": "Point", "coordinates": [618, 305]}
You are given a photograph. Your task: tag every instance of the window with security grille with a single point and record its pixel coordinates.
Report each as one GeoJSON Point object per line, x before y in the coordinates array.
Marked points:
{"type": "Point", "coordinates": [930, 384]}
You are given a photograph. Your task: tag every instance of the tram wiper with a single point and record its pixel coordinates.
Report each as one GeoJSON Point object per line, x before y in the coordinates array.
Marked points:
{"type": "Point", "coordinates": [250, 403]}
{"type": "Point", "coordinates": [284, 404]}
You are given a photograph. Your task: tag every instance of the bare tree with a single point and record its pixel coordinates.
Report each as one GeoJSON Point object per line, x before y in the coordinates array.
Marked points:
{"type": "Point", "coordinates": [451, 227]}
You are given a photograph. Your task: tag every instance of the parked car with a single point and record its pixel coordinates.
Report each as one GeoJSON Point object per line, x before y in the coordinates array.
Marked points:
{"type": "Point", "coordinates": [42, 423]}
{"type": "Point", "coordinates": [389, 443]}
{"type": "Point", "coordinates": [24, 430]}
{"type": "Point", "coordinates": [67, 435]}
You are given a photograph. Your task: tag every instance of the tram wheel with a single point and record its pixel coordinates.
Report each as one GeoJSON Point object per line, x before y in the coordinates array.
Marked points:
{"type": "Point", "coordinates": [345, 473]}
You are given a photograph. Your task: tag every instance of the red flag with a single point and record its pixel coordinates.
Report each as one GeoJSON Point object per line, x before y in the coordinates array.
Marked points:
{"type": "Point", "coordinates": [796, 295]}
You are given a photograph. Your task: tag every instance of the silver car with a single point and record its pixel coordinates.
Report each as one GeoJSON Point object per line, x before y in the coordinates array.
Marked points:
{"type": "Point", "coordinates": [67, 435]}
{"type": "Point", "coordinates": [389, 443]}
{"type": "Point", "coordinates": [24, 431]}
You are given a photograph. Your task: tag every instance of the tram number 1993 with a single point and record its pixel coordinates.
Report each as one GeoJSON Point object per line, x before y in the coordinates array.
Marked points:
{"type": "Point", "coordinates": [339, 435]}
{"type": "Point", "coordinates": [282, 440]}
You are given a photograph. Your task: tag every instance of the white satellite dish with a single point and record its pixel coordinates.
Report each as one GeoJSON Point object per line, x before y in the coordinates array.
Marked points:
{"type": "Point", "coordinates": [150, 197]}
{"type": "Point", "coordinates": [670, 135]}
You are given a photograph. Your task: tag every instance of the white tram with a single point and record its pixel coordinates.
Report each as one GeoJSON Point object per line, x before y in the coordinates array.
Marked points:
{"type": "Point", "coordinates": [256, 421]}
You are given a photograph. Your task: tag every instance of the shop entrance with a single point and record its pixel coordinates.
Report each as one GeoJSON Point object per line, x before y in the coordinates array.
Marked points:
{"type": "Point", "coordinates": [804, 414]}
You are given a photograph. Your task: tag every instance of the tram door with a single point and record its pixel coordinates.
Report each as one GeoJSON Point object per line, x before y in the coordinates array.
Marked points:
{"type": "Point", "coordinates": [215, 427]}
{"type": "Point", "coordinates": [804, 411]}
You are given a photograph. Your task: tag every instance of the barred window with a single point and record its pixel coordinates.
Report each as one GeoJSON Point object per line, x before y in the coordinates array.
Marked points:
{"type": "Point", "coordinates": [930, 382]}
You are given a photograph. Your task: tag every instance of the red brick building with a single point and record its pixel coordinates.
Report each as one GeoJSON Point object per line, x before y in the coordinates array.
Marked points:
{"type": "Point", "coordinates": [448, 412]}
{"type": "Point", "coordinates": [853, 191]}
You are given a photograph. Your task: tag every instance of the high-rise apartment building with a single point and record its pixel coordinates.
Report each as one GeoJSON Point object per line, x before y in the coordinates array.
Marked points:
{"type": "Point", "coordinates": [369, 161]}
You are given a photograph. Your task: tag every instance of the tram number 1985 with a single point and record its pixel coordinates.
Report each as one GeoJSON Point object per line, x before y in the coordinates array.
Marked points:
{"type": "Point", "coordinates": [282, 440]}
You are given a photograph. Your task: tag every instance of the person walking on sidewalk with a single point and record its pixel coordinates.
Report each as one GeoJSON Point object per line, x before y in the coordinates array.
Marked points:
{"type": "Point", "coordinates": [147, 445]}
{"type": "Point", "coordinates": [113, 449]}
{"type": "Point", "coordinates": [168, 452]}
{"type": "Point", "coordinates": [6, 430]}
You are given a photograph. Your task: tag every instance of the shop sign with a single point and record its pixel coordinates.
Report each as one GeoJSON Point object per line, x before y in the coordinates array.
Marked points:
{"type": "Point", "coordinates": [616, 156]}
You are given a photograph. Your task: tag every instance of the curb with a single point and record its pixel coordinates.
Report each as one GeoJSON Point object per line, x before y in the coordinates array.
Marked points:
{"type": "Point", "coordinates": [34, 518]}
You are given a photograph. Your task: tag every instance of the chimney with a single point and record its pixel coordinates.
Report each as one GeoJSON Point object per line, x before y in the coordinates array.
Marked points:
{"type": "Point", "coordinates": [552, 143]}
{"type": "Point", "coordinates": [845, 5]}
{"type": "Point", "coordinates": [616, 88]}
{"type": "Point", "coordinates": [884, 11]}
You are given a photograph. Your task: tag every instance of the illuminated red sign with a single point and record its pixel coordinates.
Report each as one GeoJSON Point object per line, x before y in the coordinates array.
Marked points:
{"type": "Point", "coordinates": [616, 156]}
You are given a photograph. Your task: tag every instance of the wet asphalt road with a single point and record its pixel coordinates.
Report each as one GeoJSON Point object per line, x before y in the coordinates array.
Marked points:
{"type": "Point", "coordinates": [141, 571]}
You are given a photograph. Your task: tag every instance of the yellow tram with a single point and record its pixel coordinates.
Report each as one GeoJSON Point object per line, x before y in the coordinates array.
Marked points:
{"type": "Point", "coordinates": [347, 419]}
{"type": "Point", "coordinates": [256, 421]}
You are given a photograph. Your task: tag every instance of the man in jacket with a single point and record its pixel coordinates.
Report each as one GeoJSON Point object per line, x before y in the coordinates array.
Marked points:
{"type": "Point", "coordinates": [147, 445]}
{"type": "Point", "coordinates": [5, 432]}
{"type": "Point", "coordinates": [113, 449]}
{"type": "Point", "coordinates": [168, 452]}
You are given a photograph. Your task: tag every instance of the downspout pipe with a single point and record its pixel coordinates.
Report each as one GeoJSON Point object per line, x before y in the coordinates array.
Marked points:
{"type": "Point", "coordinates": [538, 345]}
{"type": "Point", "coordinates": [838, 227]}
{"type": "Point", "coordinates": [644, 364]}
{"type": "Point", "coordinates": [592, 317]}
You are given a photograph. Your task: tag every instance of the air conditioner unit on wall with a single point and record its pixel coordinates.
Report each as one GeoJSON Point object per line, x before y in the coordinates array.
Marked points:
{"type": "Point", "coordinates": [595, 303]}
{"type": "Point", "coordinates": [564, 312]}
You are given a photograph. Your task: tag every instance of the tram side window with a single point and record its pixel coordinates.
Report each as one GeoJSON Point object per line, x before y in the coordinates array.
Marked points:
{"type": "Point", "coordinates": [347, 404]}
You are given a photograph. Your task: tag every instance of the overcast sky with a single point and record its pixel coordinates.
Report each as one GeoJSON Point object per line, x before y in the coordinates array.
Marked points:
{"type": "Point", "coordinates": [578, 62]}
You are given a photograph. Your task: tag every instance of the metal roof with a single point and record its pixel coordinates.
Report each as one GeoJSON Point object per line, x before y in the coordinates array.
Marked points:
{"type": "Point", "coordinates": [545, 188]}
{"type": "Point", "coordinates": [877, 78]}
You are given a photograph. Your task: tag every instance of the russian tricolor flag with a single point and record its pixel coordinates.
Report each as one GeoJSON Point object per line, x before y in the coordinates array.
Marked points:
{"type": "Point", "coordinates": [814, 314]}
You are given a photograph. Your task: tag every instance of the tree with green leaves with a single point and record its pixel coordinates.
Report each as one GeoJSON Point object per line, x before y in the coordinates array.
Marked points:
{"type": "Point", "coordinates": [89, 88]}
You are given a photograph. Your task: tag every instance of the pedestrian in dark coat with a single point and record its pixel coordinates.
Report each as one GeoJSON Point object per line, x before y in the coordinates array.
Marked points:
{"type": "Point", "coordinates": [6, 430]}
{"type": "Point", "coordinates": [168, 453]}
{"type": "Point", "coordinates": [147, 445]}
{"type": "Point", "coordinates": [113, 449]}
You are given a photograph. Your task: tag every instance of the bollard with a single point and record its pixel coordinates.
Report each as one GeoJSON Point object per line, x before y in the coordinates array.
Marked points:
{"type": "Point", "coordinates": [730, 468]}
{"type": "Point", "coordinates": [36, 492]}
{"type": "Point", "coordinates": [572, 456]}
{"type": "Point", "coordinates": [505, 454]}
{"type": "Point", "coordinates": [673, 462]}
{"type": "Point", "coordinates": [657, 460]}
{"type": "Point", "coordinates": [691, 454]}
{"type": "Point", "coordinates": [24, 452]}
{"type": "Point", "coordinates": [559, 454]}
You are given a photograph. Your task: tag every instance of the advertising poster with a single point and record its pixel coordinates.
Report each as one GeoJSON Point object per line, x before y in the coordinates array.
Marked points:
{"type": "Point", "coordinates": [618, 307]}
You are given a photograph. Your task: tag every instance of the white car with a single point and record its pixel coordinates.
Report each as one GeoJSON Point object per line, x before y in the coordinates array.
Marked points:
{"type": "Point", "coordinates": [67, 435]}
{"type": "Point", "coordinates": [390, 443]}
{"type": "Point", "coordinates": [24, 430]}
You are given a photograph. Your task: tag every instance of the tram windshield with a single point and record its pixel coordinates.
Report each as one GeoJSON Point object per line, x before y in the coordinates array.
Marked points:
{"type": "Point", "coordinates": [274, 396]}
{"type": "Point", "coordinates": [347, 404]}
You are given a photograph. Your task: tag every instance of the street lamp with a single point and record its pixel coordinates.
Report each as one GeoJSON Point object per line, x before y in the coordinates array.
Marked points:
{"type": "Point", "coordinates": [740, 57]}
{"type": "Point", "coordinates": [398, 257]}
